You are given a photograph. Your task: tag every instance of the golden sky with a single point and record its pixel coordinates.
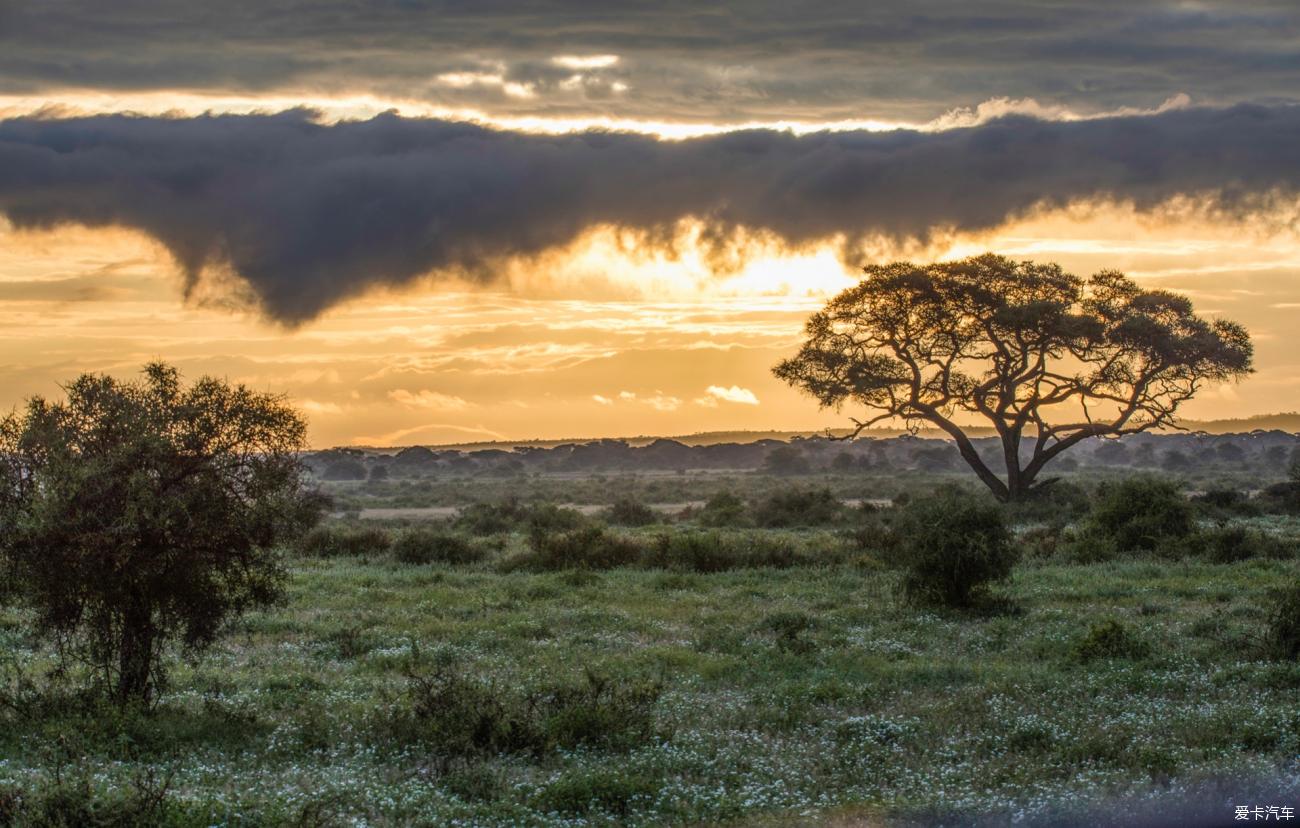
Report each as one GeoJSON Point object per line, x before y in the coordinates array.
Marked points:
{"type": "Point", "coordinates": [433, 223]}
{"type": "Point", "coordinates": [597, 339]}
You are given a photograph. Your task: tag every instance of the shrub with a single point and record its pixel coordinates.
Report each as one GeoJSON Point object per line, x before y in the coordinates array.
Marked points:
{"type": "Point", "coordinates": [75, 798]}
{"type": "Point", "coordinates": [491, 518]}
{"type": "Point", "coordinates": [547, 519]}
{"type": "Point", "coordinates": [1283, 631]}
{"type": "Point", "coordinates": [1110, 639]}
{"type": "Point", "coordinates": [1057, 502]}
{"type": "Point", "coordinates": [1143, 513]}
{"type": "Point", "coordinates": [1229, 544]}
{"type": "Point", "coordinates": [461, 717]}
{"type": "Point", "coordinates": [344, 541]}
{"type": "Point", "coordinates": [467, 719]}
{"type": "Point", "coordinates": [786, 460]}
{"type": "Point", "coordinates": [788, 628]}
{"type": "Point", "coordinates": [425, 546]}
{"type": "Point", "coordinates": [723, 509]}
{"type": "Point", "coordinates": [629, 512]}
{"type": "Point", "coordinates": [599, 711]}
{"type": "Point", "coordinates": [952, 546]}
{"type": "Point", "coordinates": [475, 783]}
{"type": "Point", "coordinates": [1283, 497]}
{"type": "Point", "coordinates": [346, 468]}
{"type": "Point", "coordinates": [590, 547]}
{"type": "Point", "coordinates": [1040, 542]}
{"type": "Point", "coordinates": [1223, 502]}
{"type": "Point", "coordinates": [799, 507]}
{"type": "Point", "coordinates": [609, 790]}
{"type": "Point", "coordinates": [1088, 545]}
{"type": "Point", "coordinates": [720, 551]}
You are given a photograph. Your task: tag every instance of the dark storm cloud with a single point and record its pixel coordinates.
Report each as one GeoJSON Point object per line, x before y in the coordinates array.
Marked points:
{"type": "Point", "coordinates": [722, 62]}
{"type": "Point", "coordinates": [309, 214]}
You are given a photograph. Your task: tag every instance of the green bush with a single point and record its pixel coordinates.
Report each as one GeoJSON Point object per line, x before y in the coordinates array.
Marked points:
{"type": "Point", "coordinates": [75, 799]}
{"type": "Point", "coordinates": [426, 546]}
{"type": "Point", "coordinates": [1283, 632]}
{"type": "Point", "coordinates": [590, 547]}
{"type": "Point", "coordinates": [475, 783]}
{"type": "Point", "coordinates": [799, 507]}
{"type": "Point", "coordinates": [599, 711]}
{"type": "Point", "coordinates": [1057, 503]}
{"type": "Point", "coordinates": [627, 511]}
{"type": "Point", "coordinates": [788, 629]}
{"type": "Point", "coordinates": [722, 551]}
{"type": "Point", "coordinates": [1280, 498]}
{"type": "Point", "coordinates": [1229, 544]}
{"type": "Point", "coordinates": [1110, 639]}
{"type": "Point", "coordinates": [491, 518]}
{"type": "Point", "coordinates": [344, 541]}
{"type": "Point", "coordinates": [1223, 502]}
{"type": "Point", "coordinates": [544, 519]}
{"type": "Point", "coordinates": [723, 509]}
{"type": "Point", "coordinates": [462, 718]}
{"type": "Point", "coordinates": [466, 719]}
{"type": "Point", "coordinates": [1040, 542]}
{"type": "Point", "coordinates": [508, 515]}
{"type": "Point", "coordinates": [1144, 513]}
{"type": "Point", "coordinates": [610, 790]}
{"type": "Point", "coordinates": [1088, 545]}
{"type": "Point", "coordinates": [952, 546]}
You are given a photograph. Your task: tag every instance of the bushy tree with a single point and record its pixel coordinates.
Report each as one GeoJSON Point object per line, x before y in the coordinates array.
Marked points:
{"type": "Point", "coordinates": [138, 514]}
{"type": "Point", "coordinates": [724, 509]}
{"type": "Point", "coordinates": [952, 546]}
{"type": "Point", "coordinates": [1045, 357]}
{"type": "Point", "coordinates": [1143, 513]}
{"type": "Point", "coordinates": [786, 460]}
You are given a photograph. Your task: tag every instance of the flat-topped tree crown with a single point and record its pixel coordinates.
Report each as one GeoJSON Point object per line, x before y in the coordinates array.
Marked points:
{"type": "Point", "coordinates": [1045, 357]}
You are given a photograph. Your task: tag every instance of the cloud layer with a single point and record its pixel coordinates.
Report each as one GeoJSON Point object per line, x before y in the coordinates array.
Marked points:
{"type": "Point", "coordinates": [908, 60]}
{"type": "Point", "coordinates": [307, 214]}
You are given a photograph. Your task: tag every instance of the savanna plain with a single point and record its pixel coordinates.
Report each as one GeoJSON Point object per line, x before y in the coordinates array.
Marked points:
{"type": "Point", "coordinates": [767, 647]}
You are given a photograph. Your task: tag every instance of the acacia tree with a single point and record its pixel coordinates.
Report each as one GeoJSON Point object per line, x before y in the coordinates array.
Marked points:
{"type": "Point", "coordinates": [137, 514]}
{"type": "Point", "coordinates": [1045, 357]}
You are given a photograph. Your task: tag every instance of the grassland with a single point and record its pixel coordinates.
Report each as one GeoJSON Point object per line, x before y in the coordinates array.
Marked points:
{"type": "Point", "coordinates": [796, 696]}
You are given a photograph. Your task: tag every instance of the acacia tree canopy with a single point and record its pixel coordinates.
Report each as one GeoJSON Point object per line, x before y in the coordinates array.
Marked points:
{"type": "Point", "coordinates": [1045, 357]}
{"type": "Point", "coordinates": [136, 514]}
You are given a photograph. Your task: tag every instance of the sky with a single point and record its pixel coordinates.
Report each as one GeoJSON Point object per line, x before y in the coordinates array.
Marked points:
{"type": "Point", "coordinates": [438, 222]}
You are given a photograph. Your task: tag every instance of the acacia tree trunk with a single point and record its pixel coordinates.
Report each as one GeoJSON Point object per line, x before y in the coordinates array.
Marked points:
{"type": "Point", "coordinates": [1019, 481]}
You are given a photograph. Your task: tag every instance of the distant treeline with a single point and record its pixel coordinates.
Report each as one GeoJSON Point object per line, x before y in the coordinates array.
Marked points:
{"type": "Point", "coordinates": [1262, 452]}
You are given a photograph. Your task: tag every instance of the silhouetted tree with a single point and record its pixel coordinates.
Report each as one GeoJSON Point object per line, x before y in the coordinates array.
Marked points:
{"type": "Point", "coordinates": [786, 460]}
{"type": "Point", "coordinates": [844, 462]}
{"type": "Point", "coordinates": [1112, 454]}
{"type": "Point", "coordinates": [1145, 455]}
{"type": "Point", "coordinates": [1230, 452]}
{"type": "Point", "coordinates": [134, 514]}
{"type": "Point", "coordinates": [1018, 344]}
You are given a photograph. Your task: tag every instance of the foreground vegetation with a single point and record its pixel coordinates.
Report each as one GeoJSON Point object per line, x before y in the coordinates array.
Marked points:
{"type": "Point", "coordinates": [524, 665]}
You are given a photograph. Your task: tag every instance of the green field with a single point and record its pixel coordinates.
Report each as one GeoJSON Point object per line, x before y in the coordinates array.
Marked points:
{"type": "Point", "coordinates": [810, 694]}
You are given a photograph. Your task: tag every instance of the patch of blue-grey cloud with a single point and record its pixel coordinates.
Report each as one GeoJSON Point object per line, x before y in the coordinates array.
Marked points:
{"type": "Point", "coordinates": [758, 60]}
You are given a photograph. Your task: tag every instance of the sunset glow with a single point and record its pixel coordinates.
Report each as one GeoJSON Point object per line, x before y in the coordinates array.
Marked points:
{"type": "Point", "coordinates": [602, 338]}
{"type": "Point", "coordinates": [638, 220]}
